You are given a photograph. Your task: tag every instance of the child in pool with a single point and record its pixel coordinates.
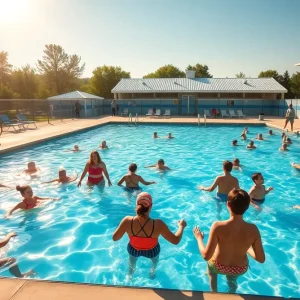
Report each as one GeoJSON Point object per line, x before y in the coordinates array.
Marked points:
{"type": "Point", "coordinates": [31, 168]}
{"type": "Point", "coordinates": [170, 136]}
{"type": "Point", "coordinates": [11, 261]}
{"type": "Point", "coordinates": [234, 143]}
{"type": "Point", "coordinates": [258, 192]}
{"type": "Point", "coordinates": [284, 147]}
{"type": "Point", "coordinates": [76, 149]}
{"type": "Point", "coordinates": [103, 146]}
{"type": "Point", "coordinates": [236, 164]}
{"type": "Point", "coordinates": [251, 145]}
{"type": "Point", "coordinates": [160, 165]}
{"type": "Point", "coordinates": [29, 200]}
{"type": "Point", "coordinates": [244, 137]}
{"type": "Point", "coordinates": [155, 136]}
{"type": "Point", "coordinates": [271, 132]}
{"type": "Point", "coordinates": [259, 137]}
{"type": "Point", "coordinates": [63, 178]}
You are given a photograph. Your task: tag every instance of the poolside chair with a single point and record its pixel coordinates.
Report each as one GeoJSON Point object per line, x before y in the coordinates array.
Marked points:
{"type": "Point", "coordinates": [125, 112]}
{"type": "Point", "coordinates": [150, 112]}
{"type": "Point", "coordinates": [167, 113]}
{"type": "Point", "coordinates": [232, 113]}
{"type": "Point", "coordinates": [240, 113]}
{"type": "Point", "coordinates": [207, 113]}
{"type": "Point", "coordinates": [224, 113]}
{"type": "Point", "coordinates": [158, 113]}
{"type": "Point", "coordinates": [24, 120]}
{"type": "Point", "coordinates": [6, 122]}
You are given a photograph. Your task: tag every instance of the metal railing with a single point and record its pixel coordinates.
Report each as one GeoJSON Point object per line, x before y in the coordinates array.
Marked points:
{"type": "Point", "coordinates": [205, 119]}
{"type": "Point", "coordinates": [136, 119]}
{"type": "Point", "coordinates": [130, 119]}
{"type": "Point", "coordinates": [199, 120]}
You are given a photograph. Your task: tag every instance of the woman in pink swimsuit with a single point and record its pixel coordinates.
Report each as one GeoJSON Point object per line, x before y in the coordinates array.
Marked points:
{"type": "Point", "coordinates": [96, 168]}
{"type": "Point", "coordinates": [29, 201]}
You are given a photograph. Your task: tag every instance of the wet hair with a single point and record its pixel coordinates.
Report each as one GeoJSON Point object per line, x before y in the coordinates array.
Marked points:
{"type": "Point", "coordinates": [284, 145]}
{"type": "Point", "coordinates": [234, 142]}
{"type": "Point", "coordinates": [22, 188]}
{"type": "Point", "coordinates": [236, 160]}
{"type": "Point", "coordinates": [155, 133]}
{"type": "Point", "coordinates": [288, 140]}
{"type": "Point", "coordinates": [141, 210]}
{"type": "Point", "coordinates": [62, 171]}
{"type": "Point", "coordinates": [251, 143]}
{"type": "Point", "coordinates": [132, 167]}
{"type": "Point", "coordinates": [98, 156]}
{"type": "Point", "coordinates": [227, 165]}
{"type": "Point", "coordinates": [255, 176]}
{"type": "Point", "coordinates": [239, 201]}
{"type": "Point", "coordinates": [270, 131]}
{"type": "Point", "coordinates": [31, 163]}
{"type": "Point", "coordinates": [161, 161]}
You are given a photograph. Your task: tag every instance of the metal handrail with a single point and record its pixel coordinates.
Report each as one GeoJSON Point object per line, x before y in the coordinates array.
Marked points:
{"type": "Point", "coordinates": [205, 119]}
{"type": "Point", "coordinates": [129, 118]}
{"type": "Point", "coordinates": [136, 119]}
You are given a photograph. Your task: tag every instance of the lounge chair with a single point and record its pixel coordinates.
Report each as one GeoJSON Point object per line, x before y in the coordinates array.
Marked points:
{"type": "Point", "coordinates": [240, 113]}
{"type": "Point", "coordinates": [232, 113]}
{"type": "Point", "coordinates": [150, 112]}
{"type": "Point", "coordinates": [6, 122]}
{"type": "Point", "coordinates": [207, 113]}
{"type": "Point", "coordinates": [167, 113]}
{"type": "Point", "coordinates": [157, 113]}
{"type": "Point", "coordinates": [24, 120]}
{"type": "Point", "coordinates": [125, 112]}
{"type": "Point", "coordinates": [224, 113]}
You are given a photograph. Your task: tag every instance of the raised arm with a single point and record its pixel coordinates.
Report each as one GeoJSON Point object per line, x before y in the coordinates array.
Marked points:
{"type": "Point", "coordinates": [169, 235]}
{"type": "Point", "coordinates": [257, 251]}
{"type": "Point", "coordinates": [83, 174]}
{"type": "Point", "coordinates": [118, 234]}
{"type": "Point", "coordinates": [19, 205]}
{"type": "Point", "coordinates": [106, 173]}
{"type": "Point", "coordinates": [51, 181]}
{"type": "Point", "coordinates": [6, 239]}
{"type": "Point", "coordinates": [45, 199]}
{"type": "Point", "coordinates": [121, 180]}
{"type": "Point", "coordinates": [152, 166]}
{"type": "Point", "coordinates": [141, 180]}
{"type": "Point", "coordinates": [212, 187]}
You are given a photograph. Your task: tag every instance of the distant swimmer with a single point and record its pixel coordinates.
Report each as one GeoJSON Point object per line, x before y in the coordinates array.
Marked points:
{"type": "Point", "coordinates": [296, 166]}
{"type": "Point", "coordinates": [258, 191]}
{"type": "Point", "coordinates": [251, 145]}
{"type": "Point", "coordinates": [103, 146]}
{"type": "Point", "coordinates": [155, 136]}
{"type": "Point", "coordinates": [132, 180]}
{"type": "Point", "coordinates": [297, 206]}
{"type": "Point", "coordinates": [271, 132]}
{"type": "Point", "coordinates": [63, 178]}
{"type": "Point", "coordinates": [31, 168]}
{"type": "Point", "coordinates": [160, 165]}
{"type": "Point", "coordinates": [225, 183]}
{"type": "Point", "coordinates": [75, 149]}
{"type": "Point", "coordinates": [170, 136]}
{"type": "Point", "coordinates": [5, 186]}
{"type": "Point", "coordinates": [236, 164]}
{"type": "Point", "coordinates": [259, 137]}
{"type": "Point", "coordinates": [245, 130]}
{"type": "Point", "coordinates": [288, 141]}
{"type": "Point", "coordinates": [234, 143]}
{"type": "Point", "coordinates": [29, 200]}
{"type": "Point", "coordinates": [283, 136]}
{"type": "Point", "coordinates": [11, 262]}
{"type": "Point", "coordinates": [284, 147]}
{"type": "Point", "coordinates": [244, 137]}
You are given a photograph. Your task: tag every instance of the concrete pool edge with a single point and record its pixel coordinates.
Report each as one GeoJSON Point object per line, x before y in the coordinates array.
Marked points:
{"type": "Point", "coordinates": [20, 289]}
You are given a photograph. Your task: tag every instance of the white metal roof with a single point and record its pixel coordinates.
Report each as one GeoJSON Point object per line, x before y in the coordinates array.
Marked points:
{"type": "Point", "coordinates": [76, 95]}
{"type": "Point", "coordinates": [179, 85]}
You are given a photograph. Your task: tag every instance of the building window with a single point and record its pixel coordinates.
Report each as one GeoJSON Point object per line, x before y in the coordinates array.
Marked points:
{"type": "Point", "coordinates": [230, 103]}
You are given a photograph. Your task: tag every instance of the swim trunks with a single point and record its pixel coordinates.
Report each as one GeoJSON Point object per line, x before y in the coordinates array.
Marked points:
{"type": "Point", "coordinates": [221, 197]}
{"type": "Point", "coordinates": [261, 201]}
{"type": "Point", "coordinates": [217, 268]}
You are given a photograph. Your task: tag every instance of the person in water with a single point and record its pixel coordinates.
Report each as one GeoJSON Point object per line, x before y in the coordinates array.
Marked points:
{"type": "Point", "coordinates": [29, 200]}
{"type": "Point", "coordinates": [288, 141]}
{"type": "Point", "coordinates": [244, 137]}
{"type": "Point", "coordinates": [170, 136]}
{"type": "Point", "coordinates": [132, 180]}
{"type": "Point", "coordinates": [296, 166]}
{"type": "Point", "coordinates": [63, 178]}
{"type": "Point", "coordinates": [234, 143]}
{"type": "Point", "coordinates": [155, 136]}
{"type": "Point", "coordinates": [258, 191]}
{"type": "Point", "coordinates": [236, 164]}
{"type": "Point", "coordinates": [259, 137]}
{"type": "Point", "coordinates": [245, 130]}
{"type": "Point", "coordinates": [103, 146]}
{"type": "Point", "coordinates": [283, 136]}
{"type": "Point", "coordinates": [297, 207]}
{"type": "Point", "coordinates": [4, 186]}
{"type": "Point", "coordinates": [31, 168]}
{"type": "Point", "coordinates": [96, 168]}
{"type": "Point", "coordinates": [229, 242]}
{"type": "Point", "coordinates": [11, 262]}
{"type": "Point", "coordinates": [75, 149]}
{"type": "Point", "coordinates": [271, 132]}
{"type": "Point", "coordinates": [143, 233]}
{"type": "Point", "coordinates": [225, 183]}
{"type": "Point", "coordinates": [284, 147]}
{"type": "Point", "coordinates": [251, 145]}
{"type": "Point", "coordinates": [160, 165]}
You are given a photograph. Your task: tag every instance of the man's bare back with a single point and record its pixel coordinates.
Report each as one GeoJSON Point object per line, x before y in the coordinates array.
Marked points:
{"type": "Point", "coordinates": [226, 183]}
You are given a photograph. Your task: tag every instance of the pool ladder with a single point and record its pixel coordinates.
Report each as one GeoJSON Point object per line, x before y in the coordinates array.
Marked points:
{"type": "Point", "coordinates": [199, 120]}
{"type": "Point", "coordinates": [136, 120]}
{"type": "Point", "coordinates": [130, 119]}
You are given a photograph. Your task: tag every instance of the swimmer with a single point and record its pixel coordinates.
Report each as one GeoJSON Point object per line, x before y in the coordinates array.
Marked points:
{"type": "Point", "coordinates": [132, 180]}
{"type": "Point", "coordinates": [245, 130]}
{"type": "Point", "coordinates": [288, 141]}
{"type": "Point", "coordinates": [284, 147]}
{"type": "Point", "coordinates": [259, 137]}
{"type": "Point", "coordinates": [236, 164]}
{"type": "Point", "coordinates": [296, 166]}
{"type": "Point", "coordinates": [225, 183]}
{"type": "Point", "coordinates": [63, 178]}
{"type": "Point", "coordinates": [11, 261]}
{"type": "Point", "coordinates": [297, 133]}
{"type": "Point", "coordinates": [170, 136]}
{"type": "Point", "coordinates": [155, 136]}
{"type": "Point", "coordinates": [229, 242]}
{"type": "Point", "coordinates": [258, 192]}
{"type": "Point", "coordinates": [160, 165]}
{"type": "Point", "coordinates": [271, 132]}
{"type": "Point", "coordinates": [5, 186]}
{"type": "Point", "coordinates": [31, 168]}
{"type": "Point", "coordinates": [29, 201]}
{"type": "Point", "coordinates": [251, 145]}
{"type": "Point", "coordinates": [103, 146]}
{"type": "Point", "coordinates": [76, 149]}
{"type": "Point", "coordinates": [244, 137]}
{"type": "Point", "coordinates": [143, 233]}
{"type": "Point", "coordinates": [283, 136]}
{"type": "Point", "coordinates": [234, 143]}
{"type": "Point", "coordinates": [297, 207]}
{"type": "Point", "coordinates": [96, 168]}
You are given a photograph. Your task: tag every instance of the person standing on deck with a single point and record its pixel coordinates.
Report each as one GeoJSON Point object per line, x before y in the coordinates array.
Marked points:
{"type": "Point", "coordinates": [290, 116]}
{"type": "Point", "coordinates": [77, 109]}
{"type": "Point", "coordinates": [113, 108]}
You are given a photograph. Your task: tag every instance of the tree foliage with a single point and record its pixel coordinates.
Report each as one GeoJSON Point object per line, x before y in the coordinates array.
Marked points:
{"type": "Point", "coordinates": [167, 71]}
{"type": "Point", "coordinates": [60, 69]}
{"type": "Point", "coordinates": [240, 75]}
{"type": "Point", "coordinates": [104, 79]}
{"type": "Point", "coordinates": [295, 84]}
{"type": "Point", "coordinates": [201, 70]}
{"type": "Point", "coordinates": [5, 67]}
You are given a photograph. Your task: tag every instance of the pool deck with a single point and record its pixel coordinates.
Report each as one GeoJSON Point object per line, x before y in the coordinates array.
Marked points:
{"type": "Point", "coordinates": [11, 140]}
{"type": "Point", "coordinates": [19, 289]}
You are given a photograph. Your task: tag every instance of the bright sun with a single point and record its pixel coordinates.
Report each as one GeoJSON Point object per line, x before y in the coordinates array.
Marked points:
{"type": "Point", "coordinates": [13, 10]}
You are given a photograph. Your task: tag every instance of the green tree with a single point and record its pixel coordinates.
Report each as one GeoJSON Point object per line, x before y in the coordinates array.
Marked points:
{"type": "Point", "coordinates": [167, 71]}
{"type": "Point", "coordinates": [5, 67]}
{"type": "Point", "coordinates": [286, 82]}
{"type": "Point", "coordinates": [268, 73]}
{"type": "Point", "coordinates": [59, 69]}
{"type": "Point", "coordinates": [240, 75]}
{"type": "Point", "coordinates": [295, 84]}
{"type": "Point", "coordinates": [104, 80]}
{"type": "Point", "coordinates": [24, 82]}
{"type": "Point", "coordinates": [201, 70]}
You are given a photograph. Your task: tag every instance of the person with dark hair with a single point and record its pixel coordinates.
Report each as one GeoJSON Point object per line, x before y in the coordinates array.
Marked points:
{"type": "Point", "coordinates": [160, 165]}
{"type": "Point", "coordinates": [251, 145]}
{"type": "Point", "coordinates": [29, 201]}
{"type": "Point", "coordinates": [132, 180]}
{"type": "Point", "coordinates": [96, 168]}
{"type": "Point", "coordinates": [75, 149]}
{"type": "Point", "coordinates": [271, 132]}
{"type": "Point", "coordinates": [77, 109]}
{"type": "Point", "coordinates": [155, 136]}
{"type": "Point", "coordinates": [236, 164]}
{"type": "Point", "coordinates": [258, 192]}
{"type": "Point", "coordinates": [259, 137]}
{"type": "Point", "coordinates": [244, 137]}
{"type": "Point", "coordinates": [234, 143]}
{"type": "Point", "coordinates": [225, 183]}
{"type": "Point", "coordinates": [229, 242]}
{"type": "Point", "coordinates": [32, 169]}
{"type": "Point", "coordinates": [103, 146]}
{"type": "Point", "coordinates": [143, 233]}
{"type": "Point", "coordinates": [284, 147]}
{"type": "Point", "coordinates": [290, 116]}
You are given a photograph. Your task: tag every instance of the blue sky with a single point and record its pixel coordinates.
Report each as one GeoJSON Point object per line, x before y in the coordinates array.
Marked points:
{"type": "Point", "coordinates": [228, 35]}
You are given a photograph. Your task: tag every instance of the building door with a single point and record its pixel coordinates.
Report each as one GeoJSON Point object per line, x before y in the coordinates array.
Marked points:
{"type": "Point", "coordinates": [188, 105]}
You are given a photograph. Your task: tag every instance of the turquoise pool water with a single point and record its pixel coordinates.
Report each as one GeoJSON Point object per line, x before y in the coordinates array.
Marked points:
{"type": "Point", "coordinates": [71, 240]}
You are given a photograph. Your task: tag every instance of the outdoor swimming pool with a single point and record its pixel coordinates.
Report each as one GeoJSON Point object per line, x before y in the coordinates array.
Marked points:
{"type": "Point", "coordinates": [71, 239]}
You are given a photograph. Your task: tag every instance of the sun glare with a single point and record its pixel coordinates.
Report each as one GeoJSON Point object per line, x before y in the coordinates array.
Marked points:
{"type": "Point", "coordinates": [13, 10]}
